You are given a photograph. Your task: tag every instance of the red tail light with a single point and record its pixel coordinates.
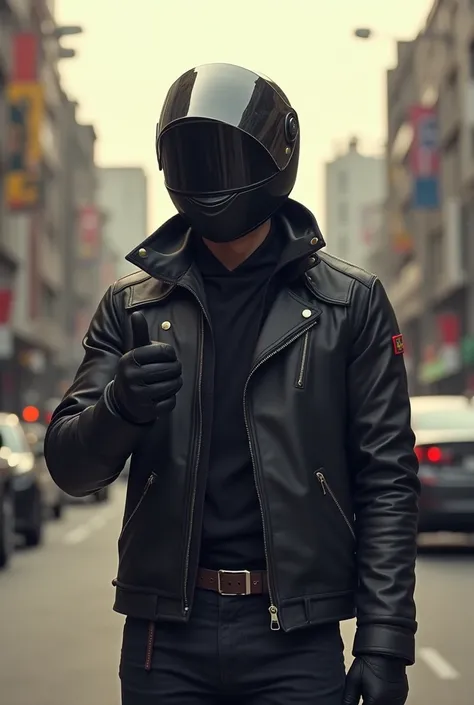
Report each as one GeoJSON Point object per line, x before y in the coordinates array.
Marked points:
{"type": "Point", "coordinates": [433, 455]}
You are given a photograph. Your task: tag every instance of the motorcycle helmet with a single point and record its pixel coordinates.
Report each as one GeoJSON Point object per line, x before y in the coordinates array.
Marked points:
{"type": "Point", "coordinates": [228, 144]}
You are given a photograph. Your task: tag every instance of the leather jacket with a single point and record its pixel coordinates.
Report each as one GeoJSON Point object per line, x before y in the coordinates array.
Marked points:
{"type": "Point", "coordinates": [328, 420]}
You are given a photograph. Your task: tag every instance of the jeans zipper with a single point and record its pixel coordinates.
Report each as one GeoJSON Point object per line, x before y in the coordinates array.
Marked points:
{"type": "Point", "coordinates": [148, 484]}
{"type": "Point", "coordinates": [304, 356]}
{"type": "Point", "coordinates": [327, 490]}
{"type": "Point", "coordinates": [273, 609]}
{"type": "Point", "coordinates": [198, 458]}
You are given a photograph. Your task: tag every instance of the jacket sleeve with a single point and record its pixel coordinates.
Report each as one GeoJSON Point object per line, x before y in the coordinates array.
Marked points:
{"type": "Point", "coordinates": [87, 445]}
{"type": "Point", "coordinates": [386, 485]}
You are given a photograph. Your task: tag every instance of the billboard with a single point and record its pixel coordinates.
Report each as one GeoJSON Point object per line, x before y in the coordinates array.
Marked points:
{"type": "Point", "coordinates": [25, 110]}
{"type": "Point", "coordinates": [425, 158]}
{"type": "Point", "coordinates": [444, 356]}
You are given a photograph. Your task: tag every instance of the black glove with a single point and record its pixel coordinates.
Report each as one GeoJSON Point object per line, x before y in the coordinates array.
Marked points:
{"type": "Point", "coordinates": [147, 379]}
{"type": "Point", "coordinates": [377, 680]}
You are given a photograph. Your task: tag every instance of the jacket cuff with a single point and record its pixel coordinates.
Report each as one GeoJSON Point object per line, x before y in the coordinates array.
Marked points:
{"type": "Point", "coordinates": [107, 434]}
{"type": "Point", "coordinates": [385, 640]}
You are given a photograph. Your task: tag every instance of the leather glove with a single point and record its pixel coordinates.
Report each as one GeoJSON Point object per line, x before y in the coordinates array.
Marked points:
{"type": "Point", "coordinates": [377, 680]}
{"type": "Point", "coordinates": [147, 379]}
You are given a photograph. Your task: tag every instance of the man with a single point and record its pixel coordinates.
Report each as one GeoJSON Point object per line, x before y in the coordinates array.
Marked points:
{"type": "Point", "coordinates": [260, 387]}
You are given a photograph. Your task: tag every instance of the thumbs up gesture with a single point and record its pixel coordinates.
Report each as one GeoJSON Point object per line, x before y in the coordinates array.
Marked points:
{"type": "Point", "coordinates": [147, 379]}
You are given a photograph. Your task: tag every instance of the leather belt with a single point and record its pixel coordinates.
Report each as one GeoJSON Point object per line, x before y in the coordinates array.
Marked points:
{"type": "Point", "coordinates": [233, 582]}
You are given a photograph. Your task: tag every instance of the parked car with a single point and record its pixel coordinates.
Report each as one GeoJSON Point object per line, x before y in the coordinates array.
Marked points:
{"type": "Point", "coordinates": [444, 429]}
{"type": "Point", "coordinates": [7, 512]}
{"type": "Point", "coordinates": [101, 495]}
{"type": "Point", "coordinates": [27, 495]}
{"type": "Point", "coordinates": [54, 499]}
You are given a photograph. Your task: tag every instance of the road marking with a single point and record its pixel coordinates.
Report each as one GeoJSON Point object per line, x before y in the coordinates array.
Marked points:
{"type": "Point", "coordinates": [438, 664]}
{"type": "Point", "coordinates": [83, 531]}
{"type": "Point", "coordinates": [80, 533]}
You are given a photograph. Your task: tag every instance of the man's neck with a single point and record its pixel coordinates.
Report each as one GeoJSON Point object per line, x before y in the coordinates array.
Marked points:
{"type": "Point", "coordinates": [232, 254]}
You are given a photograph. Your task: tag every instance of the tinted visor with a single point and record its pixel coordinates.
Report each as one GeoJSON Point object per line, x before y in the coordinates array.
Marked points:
{"type": "Point", "coordinates": [235, 97]}
{"type": "Point", "coordinates": [202, 157]}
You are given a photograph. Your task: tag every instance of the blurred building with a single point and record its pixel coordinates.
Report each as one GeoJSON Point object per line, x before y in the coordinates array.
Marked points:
{"type": "Point", "coordinates": [429, 262]}
{"type": "Point", "coordinates": [82, 227]}
{"type": "Point", "coordinates": [45, 205]}
{"type": "Point", "coordinates": [110, 263]}
{"type": "Point", "coordinates": [123, 199]}
{"type": "Point", "coordinates": [355, 190]}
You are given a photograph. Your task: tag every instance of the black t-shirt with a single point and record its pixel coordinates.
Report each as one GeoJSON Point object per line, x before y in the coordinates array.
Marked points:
{"type": "Point", "coordinates": [232, 535]}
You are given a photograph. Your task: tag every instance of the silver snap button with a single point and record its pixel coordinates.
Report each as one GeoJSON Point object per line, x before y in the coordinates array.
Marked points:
{"type": "Point", "coordinates": [142, 252]}
{"type": "Point", "coordinates": [166, 325]}
{"type": "Point", "coordinates": [306, 313]}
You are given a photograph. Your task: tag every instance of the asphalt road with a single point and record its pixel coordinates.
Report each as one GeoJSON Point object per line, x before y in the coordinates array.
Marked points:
{"type": "Point", "coordinates": [60, 640]}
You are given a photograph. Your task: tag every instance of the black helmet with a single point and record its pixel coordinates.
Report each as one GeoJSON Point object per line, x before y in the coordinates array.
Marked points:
{"type": "Point", "coordinates": [228, 144]}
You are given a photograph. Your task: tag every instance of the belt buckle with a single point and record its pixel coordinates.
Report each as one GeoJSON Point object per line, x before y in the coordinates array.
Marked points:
{"type": "Point", "coordinates": [248, 589]}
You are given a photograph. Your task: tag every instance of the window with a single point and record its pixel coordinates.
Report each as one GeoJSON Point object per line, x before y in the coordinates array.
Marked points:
{"type": "Point", "coordinates": [471, 60]}
{"type": "Point", "coordinates": [49, 301]}
{"type": "Point", "coordinates": [467, 220]}
{"type": "Point", "coordinates": [452, 79]}
{"type": "Point", "coordinates": [342, 182]}
{"type": "Point", "coordinates": [450, 173]}
{"type": "Point", "coordinates": [437, 252]}
{"type": "Point", "coordinates": [343, 213]}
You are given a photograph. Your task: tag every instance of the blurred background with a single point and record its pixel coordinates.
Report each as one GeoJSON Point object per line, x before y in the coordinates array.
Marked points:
{"type": "Point", "coordinates": [385, 95]}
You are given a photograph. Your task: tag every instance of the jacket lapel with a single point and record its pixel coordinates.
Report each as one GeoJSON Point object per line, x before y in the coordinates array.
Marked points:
{"type": "Point", "coordinates": [289, 317]}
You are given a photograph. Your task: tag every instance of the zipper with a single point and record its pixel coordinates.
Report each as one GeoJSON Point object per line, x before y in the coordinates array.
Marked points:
{"type": "Point", "coordinates": [150, 642]}
{"type": "Point", "coordinates": [198, 457]}
{"type": "Point", "coordinates": [273, 609]}
{"type": "Point", "coordinates": [304, 356]}
{"type": "Point", "coordinates": [148, 484]}
{"type": "Point", "coordinates": [327, 490]}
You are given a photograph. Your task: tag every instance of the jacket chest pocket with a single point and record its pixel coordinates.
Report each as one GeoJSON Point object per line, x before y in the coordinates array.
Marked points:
{"type": "Point", "coordinates": [303, 361]}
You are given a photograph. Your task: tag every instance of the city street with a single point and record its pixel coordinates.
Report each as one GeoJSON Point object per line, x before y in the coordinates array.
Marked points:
{"type": "Point", "coordinates": [60, 640]}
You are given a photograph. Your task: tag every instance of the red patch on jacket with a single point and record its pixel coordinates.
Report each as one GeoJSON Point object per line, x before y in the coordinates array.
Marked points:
{"type": "Point", "coordinates": [398, 344]}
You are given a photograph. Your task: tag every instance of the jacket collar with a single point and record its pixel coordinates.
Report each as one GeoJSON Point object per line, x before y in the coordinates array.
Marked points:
{"type": "Point", "coordinates": [167, 254]}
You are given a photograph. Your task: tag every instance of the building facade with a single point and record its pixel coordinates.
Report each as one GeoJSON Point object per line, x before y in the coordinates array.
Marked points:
{"type": "Point", "coordinates": [123, 200]}
{"type": "Point", "coordinates": [40, 207]}
{"type": "Point", "coordinates": [429, 267]}
{"type": "Point", "coordinates": [82, 222]}
{"type": "Point", "coordinates": [355, 188]}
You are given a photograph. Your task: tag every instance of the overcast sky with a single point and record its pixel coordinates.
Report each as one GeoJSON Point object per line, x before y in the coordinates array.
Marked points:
{"type": "Point", "coordinates": [132, 50]}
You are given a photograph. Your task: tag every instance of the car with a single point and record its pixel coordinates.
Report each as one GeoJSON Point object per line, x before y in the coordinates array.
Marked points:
{"type": "Point", "coordinates": [444, 430]}
{"type": "Point", "coordinates": [27, 494]}
{"type": "Point", "coordinates": [54, 499]}
{"type": "Point", "coordinates": [7, 513]}
{"type": "Point", "coordinates": [101, 495]}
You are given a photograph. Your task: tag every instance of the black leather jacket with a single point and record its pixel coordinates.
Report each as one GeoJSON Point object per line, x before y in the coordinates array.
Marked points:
{"type": "Point", "coordinates": [328, 420]}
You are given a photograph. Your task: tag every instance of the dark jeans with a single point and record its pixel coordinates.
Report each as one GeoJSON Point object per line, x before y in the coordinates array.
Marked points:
{"type": "Point", "coordinates": [228, 654]}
